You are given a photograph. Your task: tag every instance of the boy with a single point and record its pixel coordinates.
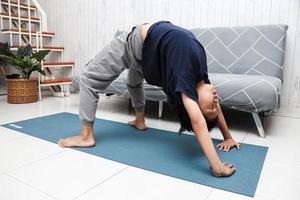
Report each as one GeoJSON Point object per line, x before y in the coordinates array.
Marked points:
{"type": "Point", "coordinates": [167, 56]}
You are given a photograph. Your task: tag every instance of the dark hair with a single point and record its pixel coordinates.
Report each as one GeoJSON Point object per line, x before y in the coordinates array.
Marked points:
{"type": "Point", "coordinates": [185, 121]}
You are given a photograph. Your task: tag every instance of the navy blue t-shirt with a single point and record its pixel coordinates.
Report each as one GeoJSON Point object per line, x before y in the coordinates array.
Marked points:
{"type": "Point", "coordinates": [172, 58]}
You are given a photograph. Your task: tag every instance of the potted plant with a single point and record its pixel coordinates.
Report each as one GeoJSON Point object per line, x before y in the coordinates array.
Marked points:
{"type": "Point", "coordinates": [23, 89]}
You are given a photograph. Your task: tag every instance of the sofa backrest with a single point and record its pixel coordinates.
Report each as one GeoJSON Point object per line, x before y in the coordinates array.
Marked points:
{"type": "Point", "coordinates": [244, 50]}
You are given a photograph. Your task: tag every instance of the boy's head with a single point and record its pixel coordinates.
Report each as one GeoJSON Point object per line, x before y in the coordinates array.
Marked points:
{"type": "Point", "coordinates": [207, 101]}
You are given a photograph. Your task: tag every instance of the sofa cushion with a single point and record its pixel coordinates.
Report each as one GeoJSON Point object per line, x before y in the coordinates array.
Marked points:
{"type": "Point", "coordinates": [256, 50]}
{"type": "Point", "coordinates": [250, 93]}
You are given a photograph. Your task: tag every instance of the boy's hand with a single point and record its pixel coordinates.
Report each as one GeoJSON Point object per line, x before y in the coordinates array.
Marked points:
{"type": "Point", "coordinates": [227, 144]}
{"type": "Point", "coordinates": [227, 170]}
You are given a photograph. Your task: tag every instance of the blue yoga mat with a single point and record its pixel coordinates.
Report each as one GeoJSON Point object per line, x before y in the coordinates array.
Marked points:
{"type": "Point", "coordinates": [155, 150]}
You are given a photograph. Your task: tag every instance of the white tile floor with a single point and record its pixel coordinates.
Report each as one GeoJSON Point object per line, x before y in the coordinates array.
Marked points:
{"type": "Point", "coordinates": [34, 169]}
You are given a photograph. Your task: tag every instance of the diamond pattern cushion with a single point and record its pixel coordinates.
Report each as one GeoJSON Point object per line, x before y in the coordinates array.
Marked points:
{"type": "Point", "coordinates": [255, 50]}
{"type": "Point", "coordinates": [250, 93]}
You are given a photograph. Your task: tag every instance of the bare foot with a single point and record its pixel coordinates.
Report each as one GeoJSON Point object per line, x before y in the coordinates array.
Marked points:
{"type": "Point", "coordinates": [228, 170]}
{"type": "Point", "coordinates": [77, 141]}
{"type": "Point", "coordinates": [139, 125]}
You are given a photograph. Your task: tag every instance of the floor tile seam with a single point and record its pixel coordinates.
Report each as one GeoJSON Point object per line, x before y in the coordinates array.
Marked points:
{"type": "Point", "coordinates": [287, 116]}
{"type": "Point", "coordinates": [101, 183]}
{"type": "Point", "coordinates": [38, 160]}
{"type": "Point", "coordinates": [247, 133]}
{"type": "Point", "coordinates": [211, 190]}
{"type": "Point", "coordinates": [29, 185]}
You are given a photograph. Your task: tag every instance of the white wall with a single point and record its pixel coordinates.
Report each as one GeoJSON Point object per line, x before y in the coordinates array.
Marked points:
{"type": "Point", "coordinates": [83, 27]}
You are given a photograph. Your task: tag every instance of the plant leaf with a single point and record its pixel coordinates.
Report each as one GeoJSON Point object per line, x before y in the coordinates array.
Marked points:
{"type": "Point", "coordinates": [40, 55]}
{"type": "Point", "coordinates": [10, 60]}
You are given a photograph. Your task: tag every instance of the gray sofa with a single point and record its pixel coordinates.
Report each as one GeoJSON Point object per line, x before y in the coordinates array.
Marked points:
{"type": "Point", "coordinates": [244, 63]}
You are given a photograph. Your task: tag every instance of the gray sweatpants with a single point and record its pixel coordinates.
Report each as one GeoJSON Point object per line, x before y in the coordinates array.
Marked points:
{"type": "Point", "coordinates": [124, 51]}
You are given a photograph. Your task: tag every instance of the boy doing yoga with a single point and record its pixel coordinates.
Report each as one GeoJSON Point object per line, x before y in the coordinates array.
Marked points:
{"type": "Point", "coordinates": [167, 56]}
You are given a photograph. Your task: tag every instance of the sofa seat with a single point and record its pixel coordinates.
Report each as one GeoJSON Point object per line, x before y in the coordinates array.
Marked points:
{"type": "Point", "coordinates": [250, 93]}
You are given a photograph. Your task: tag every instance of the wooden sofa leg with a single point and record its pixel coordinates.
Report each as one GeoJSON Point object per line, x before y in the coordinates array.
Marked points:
{"type": "Point", "coordinates": [259, 125]}
{"type": "Point", "coordinates": [160, 108]}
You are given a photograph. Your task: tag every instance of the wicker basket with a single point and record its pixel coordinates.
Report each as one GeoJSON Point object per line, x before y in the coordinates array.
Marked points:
{"type": "Point", "coordinates": [22, 90]}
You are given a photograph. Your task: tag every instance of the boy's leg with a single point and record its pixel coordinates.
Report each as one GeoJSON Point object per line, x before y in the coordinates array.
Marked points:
{"type": "Point", "coordinates": [96, 76]}
{"type": "Point", "coordinates": [135, 85]}
{"type": "Point", "coordinates": [135, 79]}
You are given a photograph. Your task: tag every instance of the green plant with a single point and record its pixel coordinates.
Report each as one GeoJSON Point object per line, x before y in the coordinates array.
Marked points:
{"type": "Point", "coordinates": [25, 60]}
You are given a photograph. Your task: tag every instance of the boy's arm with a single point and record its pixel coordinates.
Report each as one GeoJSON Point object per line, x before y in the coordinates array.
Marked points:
{"type": "Point", "coordinates": [203, 137]}
{"type": "Point", "coordinates": [228, 142]}
{"type": "Point", "coordinates": [222, 124]}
